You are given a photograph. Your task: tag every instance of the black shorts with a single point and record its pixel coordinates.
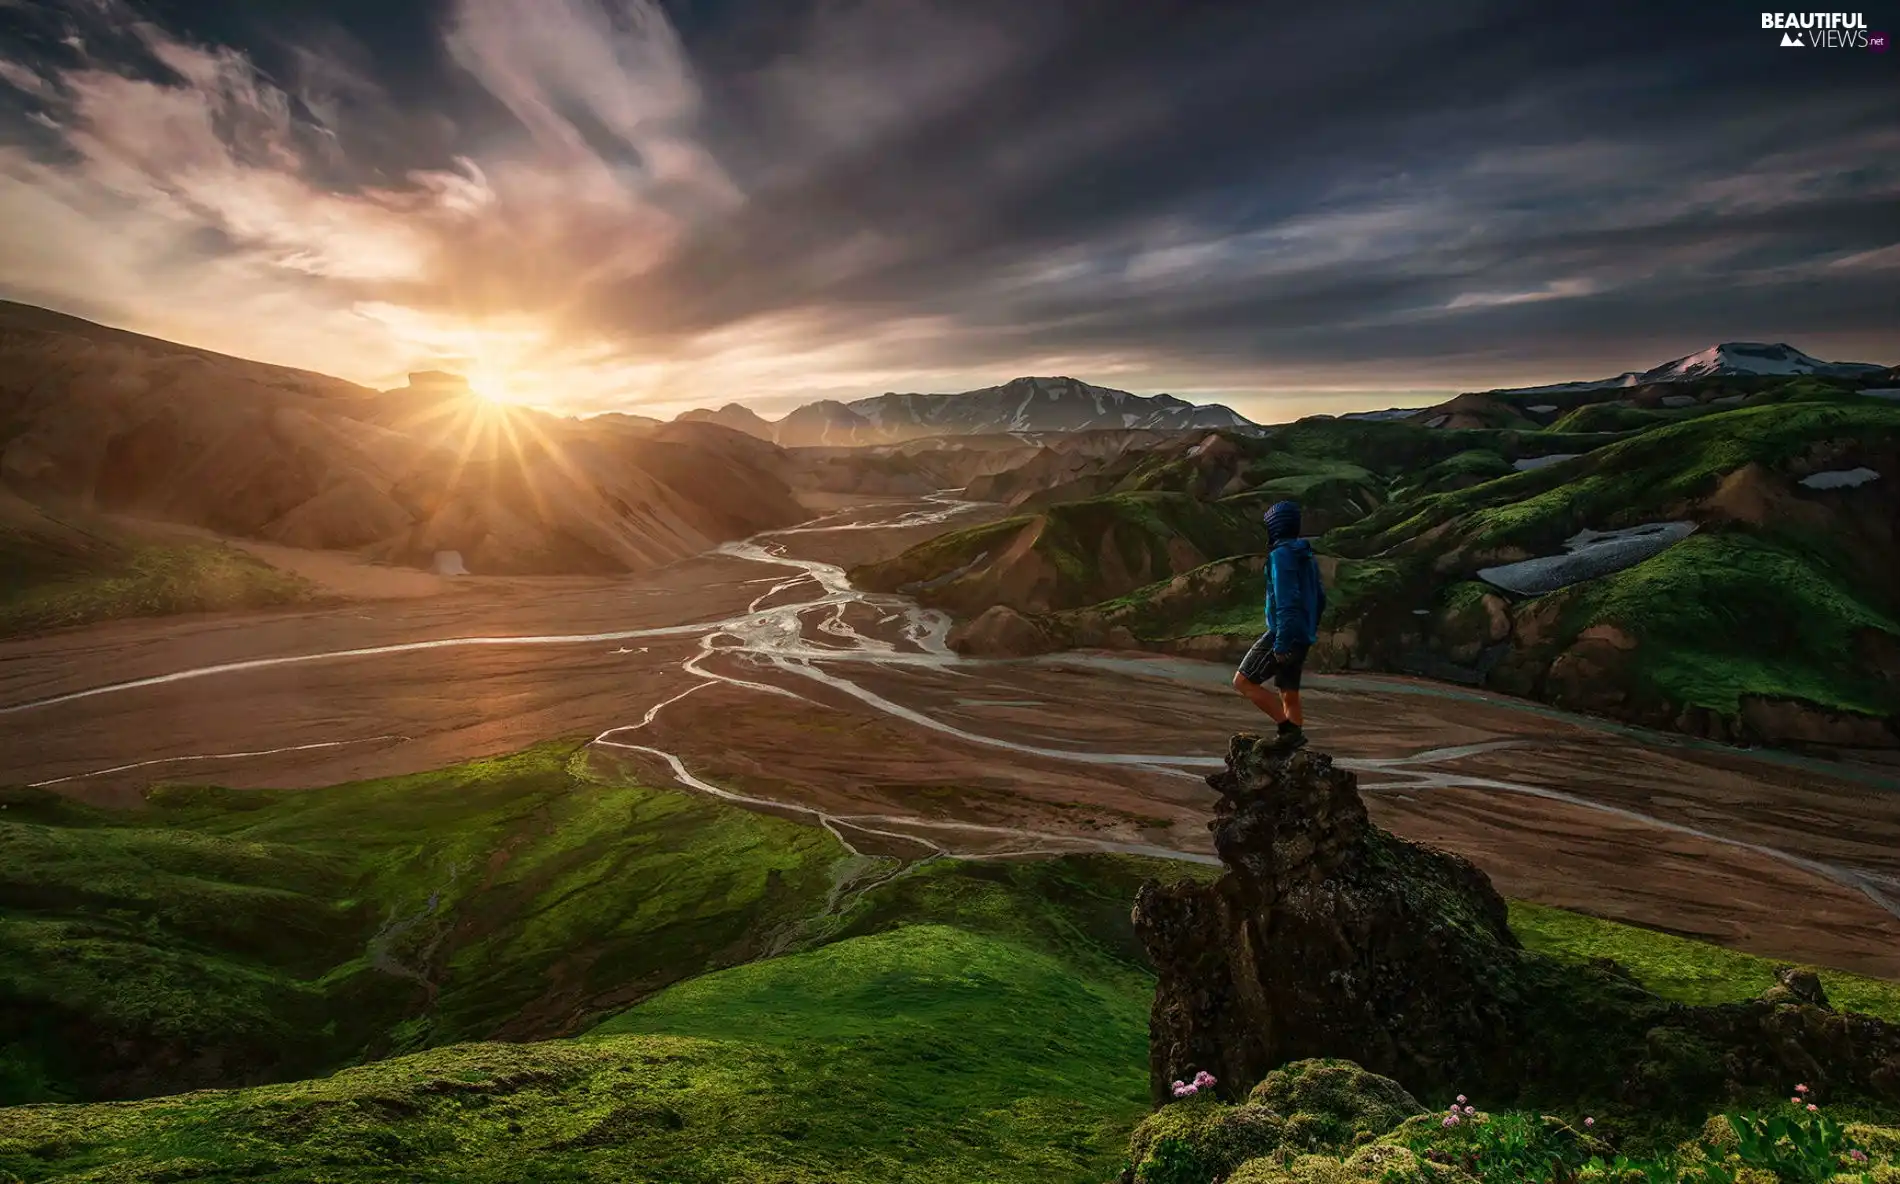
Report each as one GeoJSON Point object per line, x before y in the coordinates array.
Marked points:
{"type": "Point", "coordinates": [1261, 663]}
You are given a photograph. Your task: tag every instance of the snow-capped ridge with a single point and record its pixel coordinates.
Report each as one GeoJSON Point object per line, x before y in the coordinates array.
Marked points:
{"type": "Point", "coordinates": [1731, 359]}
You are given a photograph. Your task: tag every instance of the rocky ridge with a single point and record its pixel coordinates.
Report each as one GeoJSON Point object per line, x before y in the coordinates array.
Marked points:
{"type": "Point", "coordinates": [1330, 938]}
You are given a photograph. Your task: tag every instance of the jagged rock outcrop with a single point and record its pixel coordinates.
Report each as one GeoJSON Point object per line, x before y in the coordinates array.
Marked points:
{"type": "Point", "coordinates": [1329, 937]}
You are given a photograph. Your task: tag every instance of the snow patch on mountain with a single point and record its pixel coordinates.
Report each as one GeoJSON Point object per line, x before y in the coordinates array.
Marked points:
{"type": "Point", "coordinates": [1731, 359]}
{"type": "Point", "coordinates": [1588, 555]}
{"type": "Point", "coordinates": [1530, 463]}
{"type": "Point", "coordinates": [1753, 358]}
{"type": "Point", "coordinates": [1840, 479]}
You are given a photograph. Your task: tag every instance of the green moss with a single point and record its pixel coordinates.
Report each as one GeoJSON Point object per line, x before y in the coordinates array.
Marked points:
{"type": "Point", "coordinates": [928, 1053]}
{"type": "Point", "coordinates": [1362, 586]}
{"type": "Point", "coordinates": [1338, 1104]}
{"type": "Point", "coordinates": [1075, 906]}
{"type": "Point", "coordinates": [1611, 417]}
{"type": "Point", "coordinates": [293, 932]}
{"type": "Point", "coordinates": [1623, 483]}
{"type": "Point", "coordinates": [1472, 467]}
{"type": "Point", "coordinates": [142, 581]}
{"type": "Point", "coordinates": [1701, 613]}
{"type": "Point", "coordinates": [1681, 969]}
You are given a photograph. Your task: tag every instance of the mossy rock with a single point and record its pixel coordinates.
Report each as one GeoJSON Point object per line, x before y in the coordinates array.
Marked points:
{"type": "Point", "coordinates": [1377, 1163]}
{"type": "Point", "coordinates": [1215, 1136]}
{"type": "Point", "coordinates": [1334, 1104]}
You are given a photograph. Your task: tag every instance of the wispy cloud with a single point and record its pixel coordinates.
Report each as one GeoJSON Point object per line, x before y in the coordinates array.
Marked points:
{"type": "Point", "coordinates": [818, 197]}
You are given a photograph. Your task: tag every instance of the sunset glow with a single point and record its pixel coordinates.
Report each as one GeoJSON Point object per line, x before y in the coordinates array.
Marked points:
{"type": "Point", "coordinates": [629, 205]}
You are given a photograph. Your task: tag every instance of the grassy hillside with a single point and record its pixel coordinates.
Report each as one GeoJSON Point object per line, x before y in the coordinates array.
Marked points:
{"type": "Point", "coordinates": [151, 581]}
{"type": "Point", "coordinates": [1777, 622]}
{"type": "Point", "coordinates": [61, 570]}
{"type": "Point", "coordinates": [926, 1053]}
{"type": "Point", "coordinates": [1068, 554]}
{"type": "Point", "coordinates": [1652, 473]}
{"type": "Point", "coordinates": [943, 1050]}
{"type": "Point", "coordinates": [962, 1021]}
{"type": "Point", "coordinates": [229, 937]}
{"type": "Point", "coordinates": [222, 937]}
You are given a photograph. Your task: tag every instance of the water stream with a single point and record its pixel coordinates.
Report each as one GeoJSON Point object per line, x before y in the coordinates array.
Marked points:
{"type": "Point", "coordinates": [775, 636]}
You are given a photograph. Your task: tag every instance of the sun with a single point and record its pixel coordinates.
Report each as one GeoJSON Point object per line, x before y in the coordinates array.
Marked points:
{"type": "Point", "coordinates": [489, 388]}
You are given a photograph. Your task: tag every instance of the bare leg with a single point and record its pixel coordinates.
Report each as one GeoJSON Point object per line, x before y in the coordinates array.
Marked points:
{"type": "Point", "coordinates": [1293, 711]}
{"type": "Point", "coordinates": [1265, 698]}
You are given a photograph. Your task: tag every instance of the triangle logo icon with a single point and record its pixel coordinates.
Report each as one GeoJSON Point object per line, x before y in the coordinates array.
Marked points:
{"type": "Point", "coordinates": [1789, 39]}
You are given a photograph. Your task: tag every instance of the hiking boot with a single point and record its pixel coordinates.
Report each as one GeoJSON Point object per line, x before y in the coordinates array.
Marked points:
{"type": "Point", "coordinates": [1289, 737]}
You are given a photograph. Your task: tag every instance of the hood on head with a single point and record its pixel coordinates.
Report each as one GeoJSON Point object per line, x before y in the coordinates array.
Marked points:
{"type": "Point", "coordinates": [1283, 521]}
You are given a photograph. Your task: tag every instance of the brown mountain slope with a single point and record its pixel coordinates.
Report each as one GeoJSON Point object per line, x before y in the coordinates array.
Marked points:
{"type": "Point", "coordinates": [112, 421]}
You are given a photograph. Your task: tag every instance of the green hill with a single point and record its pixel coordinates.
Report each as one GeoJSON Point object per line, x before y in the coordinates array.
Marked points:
{"type": "Point", "coordinates": [223, 937]}
{"type": "Point", "coordinates": [1754, 629]}
{"type": "Point", "coordinates": [959, 1021]}
{"type": "Point", "coordinates": [1067, 554]}
{"type": "Point", "coordinates": [59, 570]}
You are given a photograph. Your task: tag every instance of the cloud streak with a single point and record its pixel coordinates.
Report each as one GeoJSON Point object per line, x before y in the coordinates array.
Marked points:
{"type": "Point", "coordinates": [607, 203]}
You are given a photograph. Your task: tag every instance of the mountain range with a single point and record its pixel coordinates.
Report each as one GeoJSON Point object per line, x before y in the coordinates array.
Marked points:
{"type": "Point", "coordinates": [96, 421]}
{"type": "Point", "coordinates": [1020, 405]}
{"type": "Point", "coordinates": [1062, 404]}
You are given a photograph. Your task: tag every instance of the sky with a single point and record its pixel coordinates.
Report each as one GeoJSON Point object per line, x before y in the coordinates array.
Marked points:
{"type": "Point", "coordinates": [647, 205]}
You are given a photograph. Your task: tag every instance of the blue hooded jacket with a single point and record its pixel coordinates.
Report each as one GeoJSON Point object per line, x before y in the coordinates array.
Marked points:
{"type": "Point", "coordinates": [1295, 599]}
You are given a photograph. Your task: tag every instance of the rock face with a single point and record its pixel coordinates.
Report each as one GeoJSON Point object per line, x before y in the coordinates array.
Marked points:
{"type": "Point", "coordinates": [1329, 938]}
{"type": "Point", "coordinates": [1000, 632]}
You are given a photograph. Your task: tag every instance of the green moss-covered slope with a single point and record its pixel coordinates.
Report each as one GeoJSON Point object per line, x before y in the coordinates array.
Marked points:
{"type": "Point", "coordinates": [927, 1053]}
{"type": "Point", "coordinates": [1068, 554]}
{"type": "Point", "coordinates": [1777, 622]}
{"type": "Point", "coordinates": [960, 1021]}
{"type": "Point", "coordinates": [57, 572]}
{"type": "Point", "coordinates": [223, 937]}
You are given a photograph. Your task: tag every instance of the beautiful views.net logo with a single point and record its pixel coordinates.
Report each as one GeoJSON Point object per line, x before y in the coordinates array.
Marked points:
{"type": "Point", "coordinates": [1824, 30]}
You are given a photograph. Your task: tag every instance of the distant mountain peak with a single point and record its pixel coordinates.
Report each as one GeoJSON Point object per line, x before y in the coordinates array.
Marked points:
{"type": "Point", "coordinates": [1031, 403]}
{"type": "Point", "coordinates": [1750, 357]}
{"type": "Point", "coordinates": [1730, 359]}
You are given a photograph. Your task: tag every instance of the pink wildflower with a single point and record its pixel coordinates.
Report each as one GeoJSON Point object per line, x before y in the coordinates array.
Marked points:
{"type": "Point", "coordinates": [1796, 1099]}
{"type": "Point", "coordinates": [1471, 1109]}
{"type": "Point", "coordinates": [1801, 1089]}
{"type": "Point", "coordinates": [1589, 1122]}
{"type": "Point", "coordinates": [1857, 1155]}
{"type": "Point", "coordinates": [1451, 1120]}
{"type": "Point", "coordinates": [1461, 1099]}
{"type": "Point", "coordinates": [1812, 1107]}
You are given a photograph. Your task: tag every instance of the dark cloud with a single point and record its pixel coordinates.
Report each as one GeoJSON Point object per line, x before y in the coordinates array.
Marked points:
{"type": "Point", "coordinates": [718, 199]}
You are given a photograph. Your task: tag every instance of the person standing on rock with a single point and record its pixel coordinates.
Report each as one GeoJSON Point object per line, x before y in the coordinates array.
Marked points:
{"type": "Point", "coordinates": [1295, 600]}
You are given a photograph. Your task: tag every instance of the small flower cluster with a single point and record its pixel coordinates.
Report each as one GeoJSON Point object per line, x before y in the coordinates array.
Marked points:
{"type": "Point", "coordinates": [1459, 1111]}
{"type": "Point", "coordinates": [1187, 1089]}
{"type": "Point", "coordinates": [1800, 1098]}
